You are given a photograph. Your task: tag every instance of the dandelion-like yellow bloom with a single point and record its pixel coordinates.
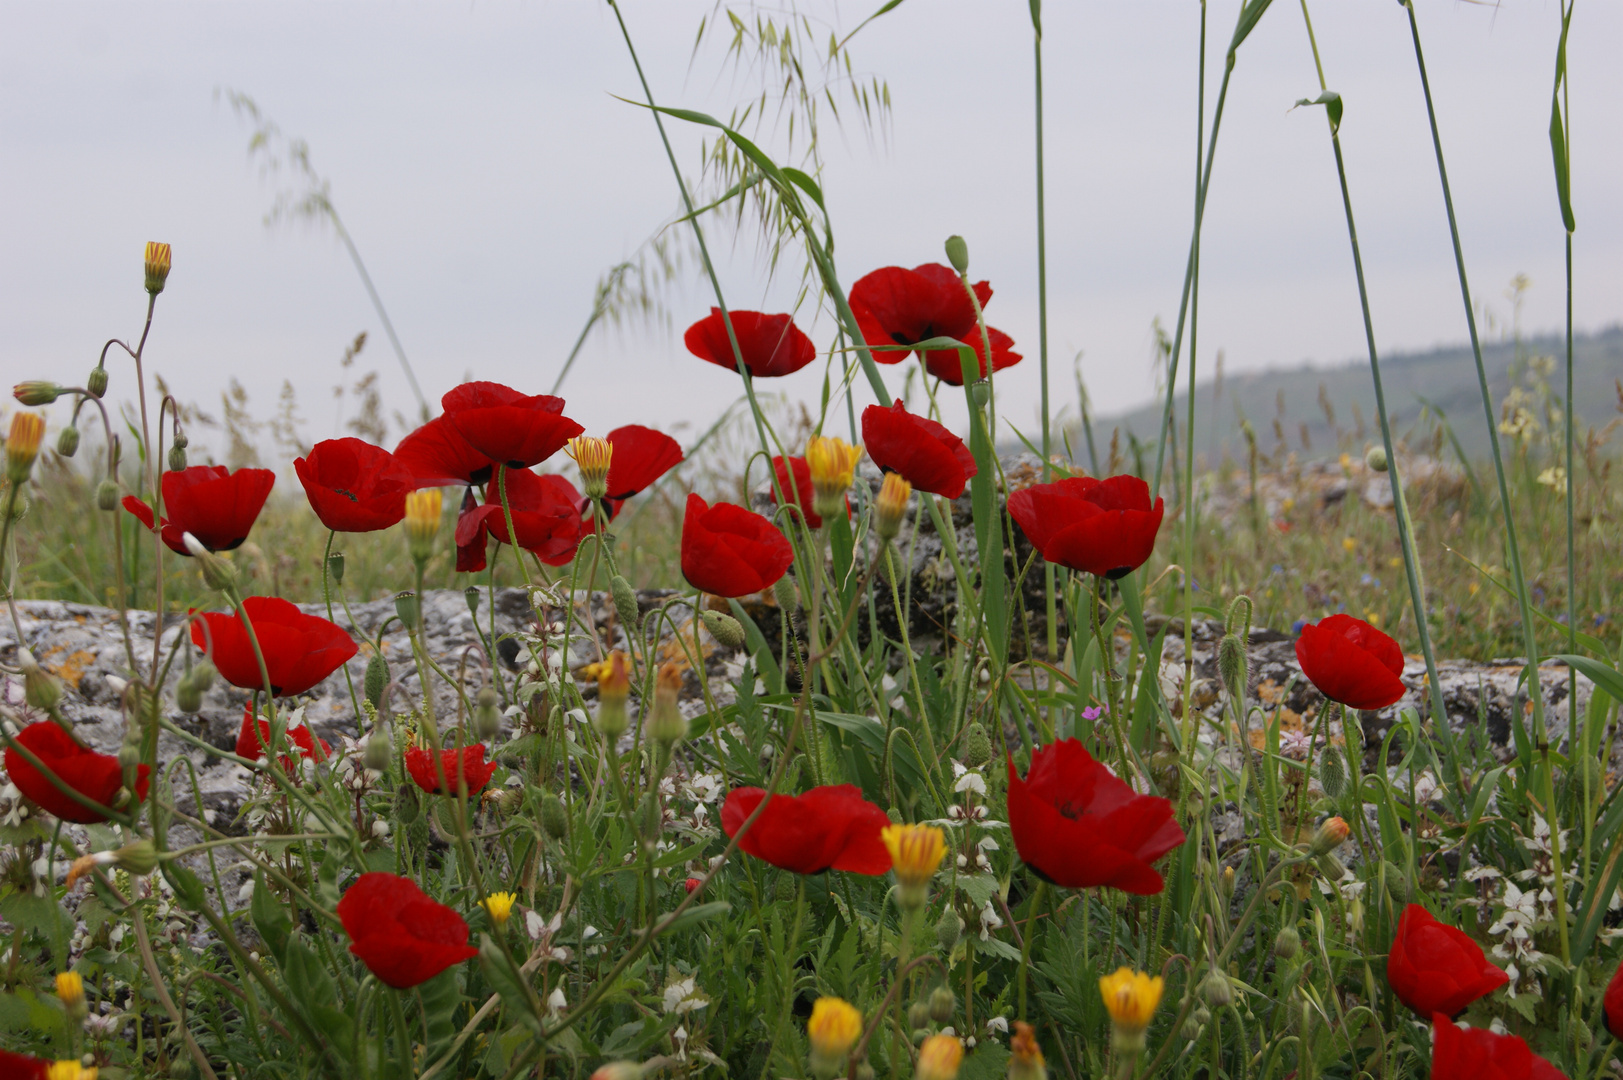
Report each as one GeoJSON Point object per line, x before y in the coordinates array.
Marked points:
{"type": "Point", "coordinates": [832, 1030]}
{"type": "Point", "coordinates": [157, 266]}
{"type": "Point", "coordinates": [22, 445]}
{"type": "Point", "coordinates": [70, 987]}
{"type": "Point", "coordinates": [666, 723]}
{"type": "Point", "coordinates": [832, 463]}
{"type": "Point", "coordinates": [499, 906]}
{"type": "Point", "coordinates": [939, 1058]}
{"type": "Point", "coordinates": [1349, 544]}
{"type": "Point", "coordinates": [1026, 1057]}
{"type": "Point", "coordinates": [916, 851]}
{"type": "Point", "coordinates": [891, 506]}
{"type": "Point", "coordinates": [1131, 998]}
{"type": "Point", "coordinates": [68, 1070]}
{"type": "Point", "coordinates": [423, 521]}
{"type": "Point", "coordinates": [613, 687]}
{"type": "Point", "coordinates": [592, 455]}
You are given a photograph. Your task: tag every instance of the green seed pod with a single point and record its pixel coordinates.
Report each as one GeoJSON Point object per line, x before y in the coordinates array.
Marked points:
{"type": "Point", "coordinates": [918, 1016]}
{"type": "Point", "coordinates": [625, 602]}
{"type": "Point", "coordinates": [787, 593]}
{"type": "Point", "coordinates": [487, 714]}
{"type": "Point", "coordinates": [554, 816]}
{"type": "Point", "coordinates": [335, 566]}
{"type": "Point", "coordinates": [1376, 459]}
{"type": "Point", "coordinates": [1234, 665]}
{"type": "Point", "coordinates": [977, 745]}
{"type": "Point", "coordinates": [949, 930]}
{"type": "Point", "coordinates": [107, 495]}
{"type": "Point", "coordinates": [67, 441]}
{"type": "Point", "coordinates": [1288, 943]}
{"type": "Point", "coordinates": [177, 458]}
{"type": "Point", "coordinates": [895, 815]}
{"type": "Point", "coordinates": [379, 749]}
{"type": "Point", "coordinates": [405, 606]}
{"type": "Point", "coordinates": [1202, 1015]}
{"type": "Point", "coordinates": [377, 677]}
{"type": "Point", "coordinates": [96, 383]}
{"type": "Point", "coordinates": [981, 392]}
{"type": "Point", "coordinates": [40, 689]}
{"type": "Point", "coordinates": [724, 628]}
{"type": "Point", "coordinates": [958, 253]}
{"type": "Point", "coordinates": [1333, 772]}
{"type": "Point", "coordinates": [472, 596]}
{"type": "Point", "coordinates": [943, 1004]}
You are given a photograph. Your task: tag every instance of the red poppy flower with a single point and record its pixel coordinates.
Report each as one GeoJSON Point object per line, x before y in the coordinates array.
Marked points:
{"type": "Point", "coordinates": [353, 486]}
{"type": "Point", "coordinates": [23, 1067]}
{"type": "Point", "coordinates": [253, 741]}
{"type": "Point", "coordinates": [896, 306]}
{"type": "Point", "coordinates": [546, 516]}
{"type": "Point", "coordinates": [827, 828]}
{"type": "Point", "coordinates": [438, 456]}
{"type": "Point", "coordinates": [927, 455]}
{"type": "Point", "coordinates": [1478, 1054]}
{"type": "Point", "coordinates": [300, 650]}
{"type": "Point", "coordinates": [1104, 527]}
{"type": "Point", "coordinates": [467, 765]}
{"type": "Point", "coordinates": [508, 427]}
{"type": "Point", "coordinates": [948, 366]}
{"type": "Point", "coordinates": [212, 503]}
{"type": "Point", "coordinates": [95, 776]}
{"type": "Point", "coordinates": [473, 539]}
{"type": "Point", "coordinates": [1614, 1004]}
{"type": "Point", "coordinates": [772, 345]}
{"type": "Point", "coordinates": [1434, 968]}
{"type": "Point", "coordinates": [1351, 662]}
{"type": "Point", "coordinates": [1078, 826]}
{"type": "Point", "coordinates": [730, 551]}
{"type": "Point", "coordinates": [794, 480]}
{"type": "Point", "coordinates": [399, 933]}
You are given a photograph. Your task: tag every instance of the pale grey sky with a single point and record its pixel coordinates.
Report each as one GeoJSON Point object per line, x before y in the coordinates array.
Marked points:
{"type": "Point", "coordinates": [489, 176]}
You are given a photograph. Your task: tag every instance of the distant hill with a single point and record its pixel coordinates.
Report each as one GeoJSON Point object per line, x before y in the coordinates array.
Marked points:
{"type": "Point", "coordinates": [1446, 377]}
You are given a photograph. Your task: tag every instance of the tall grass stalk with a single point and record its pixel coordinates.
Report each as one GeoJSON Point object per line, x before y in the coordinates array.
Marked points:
{"type": "Point", "coordinates": [1513, 548]}
{"type": "Point", "coordinates": [1050, 599]}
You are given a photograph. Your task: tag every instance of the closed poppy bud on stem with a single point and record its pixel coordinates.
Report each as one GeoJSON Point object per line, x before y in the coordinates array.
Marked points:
{"type": "Point", "coordinates": [665, 722]}
{"type": "Point", "coordinates": [1025, 1056]}
{"type": "Point", "coordinates": [613, 687]}
{"type": "Point", "coordinates": [890, 509]}
{"type": "Point", "coordinates": [157, 266]}
{"type": "Point", "coordinates": [22, 445]}
{"type": "Point", "coordinates": [96, 381]}
{"type": "Point", "coordinates": [1131, 997]}
{"type": "Point", "coordinates": [592, 455]}
{"type": "Point", "coordinates": [40, 690]}
{"type": "Point", "coordinates": [832, 1031]}
{"type": "Point", "coordinates": [916, 851]}
{"type": "Point", "coordinates": [423, 522]}
{"type": "Point", "coordinates": [958, 253]}
{"type": "Point", "coordinates": [724, 628]}
{"type": "Point", "coordinates": [36, 392]}
{"type": "Point", "coordinates": [939, 1058]}
{"type": "Point", "coordinates": [833, 464]}
{"type": "Point", "coordinates": [554, 817]}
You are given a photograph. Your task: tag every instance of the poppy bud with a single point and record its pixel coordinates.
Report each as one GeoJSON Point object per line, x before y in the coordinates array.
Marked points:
{"type": "Point", "coordinates": [786, 592]}
{"type": "Point", "coordinates": [724, 628]}
{"type": "Point", "coordinates": [1288, 943]}
{"type": "Point", "coordinates": [67, 442]}
{"type": "Point", "coordinates": [217, 572]}
{"type": "Point", "coordinates": [139, 857]}
{"type": "Point", "coordinates": [188, 695]}
{"type": "Point", "coordinates": [1192, 1028]}
{"type": "Point", "coordinates": [1376, 459]}
{"type": "Point", "coordinates": [625, 602]}
{"type": "Point", "coordinates": [335, 566]}
{"type": "Point", "coordinates": [943, 1004]}
{"type": "Point", "coordinates": [865, 1071]}
{"type": "Point", "coordinates": [472, 595]}
{"type": "Point", "coordinates": [890, 508]}
{"type": "Point", "coordinates": [1333, 772]}
{"type": "Point", "coordinates": [180, 439]}
{"type": "Point", "coordinates": [1330, 835]}
{"type": "Point", "coordinates": [40, 689]}
{"type": "Point", "coordinates": [690, 884]}
{"type": "Point", "coordinates": [666, 724]}
{"type": "Point", "coordinates": [405, 606]}
{"type": "Point", "coordinates": [554, 817]}
{"type": "Point", "coordinates": [948, 930]}
{"type": "Point", "coordinates": [22, 445]}
{"type": "Point", "coordinates": [36, 392]}
{"type": "Point", "coordinates": [177, 458]}
{"type": "Point", "coordinates": [1217, 990]}
{"type": "Point", "coordinates": [156, 267]}
{"type": "Point", "coordinates": [376, 678]}
{"type": "Point", "coordinates": [379, 749]}
{"type": "Point", "coordinates": [977, 745]}
{"type": "Point", "coordinates": [1233, 664]}
{"type": "Point", "coordinates": [96, 381]}
{"type": "Point", "coordinates": [958, 253]}
{"type": "Point", "coordinates": [107, 495]}
{"type": "Point", "coordinates": [918, 1017]}
{"type": "Point", "coordinates": [487, 716]}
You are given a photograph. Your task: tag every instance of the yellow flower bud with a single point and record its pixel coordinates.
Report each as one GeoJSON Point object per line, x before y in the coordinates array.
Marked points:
{"type": "Point", "coordinates": [666, 724]}
{"type": "Point", "coordinates": [832, 1030]}
{"type": "Point", "coordinates": [157, 267]}
{"type": "Point", "coordinates": [890, 509]}
{"type": "Point", "coordinates": [613, 687]}
{"type": "Point", "coordinates": [916, 851]}
{"type": "Point", "coordinates": [592, 455]}
{"type": "Point", "coordinates": [423, 511]}
{"type": "Point", "coordinates": [70, 987]}
{"type": "Point", "coordinates": [499, 906]}
{"type": "Point", "coordinates": [1131, 997]}
{"type": "Point", "coordinates": [939, 1058]}
{"type": "Point", "coordinates": [22, 445]}
{"type": "Point", "coordinates": [1025, 1056]}
{"type": "Point", "coordinates": [832, 463]}
{"type": "Point", "coordinates": [1330, 835]}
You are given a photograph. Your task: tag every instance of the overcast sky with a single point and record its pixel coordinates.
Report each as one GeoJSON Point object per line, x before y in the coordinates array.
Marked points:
{"type": "Point", "coordinates": [489, 176]}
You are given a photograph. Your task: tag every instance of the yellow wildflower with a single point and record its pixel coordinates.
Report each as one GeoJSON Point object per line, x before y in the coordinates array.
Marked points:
{"type": "Point", "coordinates": [939, 1058]}
{"type": "Point", "coordinates": [1131, 998]}
{"type": "Point", "coordinates": [592, 455]}
{"type": "Point", "coordinates": [499, 906]}
{"type": "Point", "coordinates": [916, 851]}
{"type": "Point", "coordinates": [832, 1030]}
{"type": "Point", "coordinates": [832, 463]}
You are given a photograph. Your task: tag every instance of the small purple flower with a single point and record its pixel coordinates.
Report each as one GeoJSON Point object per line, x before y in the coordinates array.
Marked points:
{"type": "Point", "coordinates": [1095, 711]}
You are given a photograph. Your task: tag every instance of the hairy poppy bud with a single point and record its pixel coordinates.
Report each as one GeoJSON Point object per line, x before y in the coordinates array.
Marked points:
{"type": "Point", "coordinates": [1376, 459]}
{"type": "Point", "coordinates": [217, 572]}
{"type": "Point", "coordinates": [918, 1016]}
{"type": "Point", "coordinates": [625, 603]}
{"type": "Point", "coordinates": [943, 1004]}
{"type": "Point", "coordinates": [40, 689]}
{"type": "Point", "coordinates": [1333, 772]}
{"type": "Point", "coordinates": [180, 439]}
{"type": "Point", "coordinates": [96, 382]}
{"type": "Point", "coordinates": [67, 441]}
{"type": "Point", "coordinates": [156, 266]}
{"type": "Point", "coordinates": [554, 816]}
{"type": "Point", "coordinates": [786, 593]}
{"type": "Point", "coordinates": [379, 749]}
{"type": "Point", "coordinates": [724, 628]}
{"type": "Point", "coordinates": [977, 745]}
{"type": "Point", "coordinates": [376, 678]}
{"type": "Point", "coordinates": [22, 445]}
{"type": "Point", "coordinates": [177, 458]}
{"type": "Point", "coordinates": [107, 495]}
{"type": "Point", "coordinates": [487, 716]}
{"type": "Point", "coordinates": [949, 930]}
{"type": "Point", "coordinates": [188, 698]}
{"type": "Point", "coordinates": [1233, 664]}
{"type": "Point", "coordinates": [1288, 943]}
{"type": "Point", "coordinates": [958, 253]}
{"type": "Point", "coordinates": [335, 566]}
{"type": "Point", "coordinates": [36, 392]}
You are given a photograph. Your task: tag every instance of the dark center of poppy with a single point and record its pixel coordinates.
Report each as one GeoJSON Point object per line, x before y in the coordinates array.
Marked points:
{"type": "Point", "coordinates": [350, 495]}
{"type": "Point", "coordinates": [1074, 811]}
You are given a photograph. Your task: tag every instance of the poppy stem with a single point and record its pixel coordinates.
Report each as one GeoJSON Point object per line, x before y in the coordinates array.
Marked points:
{"type": "Point", "coordinates": [326, 594]}
{"type": "Point", "coordinates": [1037, 895]}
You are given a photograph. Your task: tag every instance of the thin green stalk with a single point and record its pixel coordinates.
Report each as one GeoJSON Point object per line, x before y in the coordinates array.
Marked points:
{"type": "Point", "coordinates": [1050, 602]}
{"type": "Point", "coordinates": [1535, 691]}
